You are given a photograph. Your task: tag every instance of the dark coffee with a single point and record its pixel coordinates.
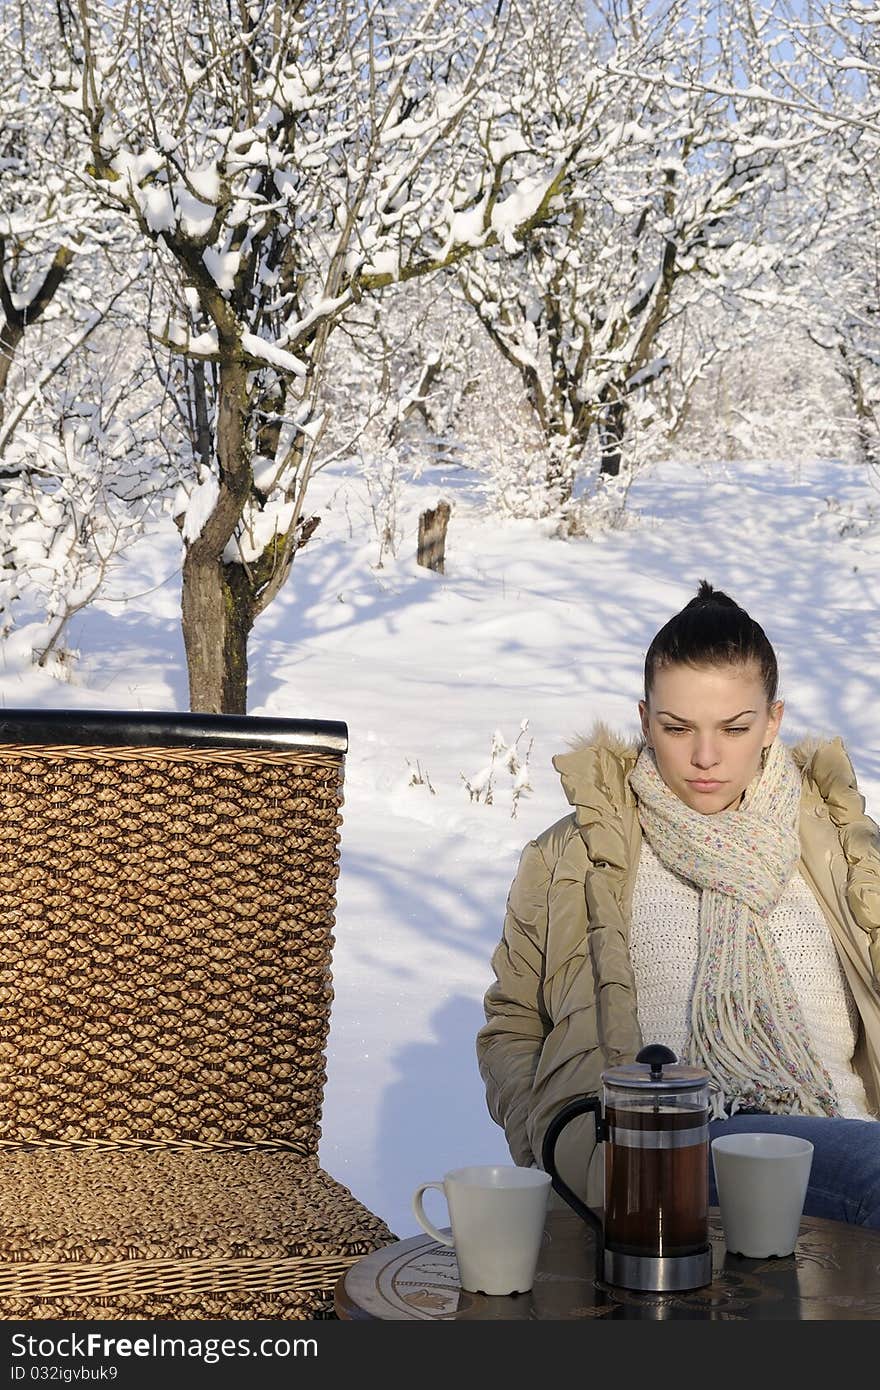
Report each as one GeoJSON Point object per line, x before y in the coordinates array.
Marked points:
{"type": "Point", "coordinates": [656, 1180]}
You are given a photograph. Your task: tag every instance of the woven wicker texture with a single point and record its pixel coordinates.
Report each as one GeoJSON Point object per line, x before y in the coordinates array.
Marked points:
{"type": "Point", "coordinates": [176, 1226]}
{"type": "Point", "coordinates": [166, 922]}
{"type": "Point", "coordinates": [165, 937]}
{"type": "Point", "coordinates": [285, 1306]}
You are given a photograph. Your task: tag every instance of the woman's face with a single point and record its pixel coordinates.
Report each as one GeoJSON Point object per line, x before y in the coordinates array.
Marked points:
{"type": "Point", "coordinates": [707, 726]}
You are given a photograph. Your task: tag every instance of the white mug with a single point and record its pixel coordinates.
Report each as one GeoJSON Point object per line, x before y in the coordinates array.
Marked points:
{"type": "Point", "coordinates": [762, 1182]}
{"type": "Point", "coordinates": [497, 1216]}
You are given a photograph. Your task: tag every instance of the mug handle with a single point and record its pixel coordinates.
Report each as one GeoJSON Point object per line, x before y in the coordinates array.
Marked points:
{"type": "Point", "coordinates": [420, 1215]}
{"type": "Point", "coordinates": [582, 1106]}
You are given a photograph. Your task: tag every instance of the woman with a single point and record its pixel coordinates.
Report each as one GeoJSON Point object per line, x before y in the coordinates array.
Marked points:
{"type": "Point", "coordinates": [712, 890]}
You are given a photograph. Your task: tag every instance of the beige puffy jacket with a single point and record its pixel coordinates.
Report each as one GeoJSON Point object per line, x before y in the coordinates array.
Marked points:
{"type": "Point", "coordinates": [563, 1007]}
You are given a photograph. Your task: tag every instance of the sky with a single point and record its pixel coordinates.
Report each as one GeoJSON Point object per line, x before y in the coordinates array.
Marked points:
{"type": "Point", "coordinates": [426, 669]}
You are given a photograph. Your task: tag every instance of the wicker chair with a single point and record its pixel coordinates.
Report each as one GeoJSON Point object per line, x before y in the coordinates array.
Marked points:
{"type": "Point", "coordinates": [166, 916]}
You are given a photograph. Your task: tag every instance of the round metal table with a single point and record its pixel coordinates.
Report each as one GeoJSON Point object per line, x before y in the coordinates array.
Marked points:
{"type": "Point", "coordinates": [833, 1273]}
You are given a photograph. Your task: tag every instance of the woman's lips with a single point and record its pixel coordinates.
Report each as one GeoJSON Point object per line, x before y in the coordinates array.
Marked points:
{"type": "Point", "coordinates": [705, 786]}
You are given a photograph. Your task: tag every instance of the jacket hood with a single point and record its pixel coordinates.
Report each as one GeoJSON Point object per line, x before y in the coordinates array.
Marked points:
{"type": "Point", "coordinates": [598, 750]}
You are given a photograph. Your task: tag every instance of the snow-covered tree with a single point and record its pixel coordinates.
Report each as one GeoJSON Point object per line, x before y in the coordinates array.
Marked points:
{"type": "Point", "coordinates": [40, 212]}
{"type": "Point", "coordinates": [76, 468]}
{"type": "Point", "coordinates": [680, 148]}
{"type": "Point", "coordinates": [282, 161]}
{"type": "Point", "coordinates": [833, 268]}
{"type": "Point", "coordinates": [821, 293]}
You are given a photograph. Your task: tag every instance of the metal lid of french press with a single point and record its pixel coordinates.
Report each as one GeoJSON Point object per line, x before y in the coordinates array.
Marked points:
{"type": "Point", "coordinates": [656, 1068]}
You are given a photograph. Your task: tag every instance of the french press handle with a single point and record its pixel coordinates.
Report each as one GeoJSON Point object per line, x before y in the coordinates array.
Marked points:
{"type": "Point", "coordinates": [581, 1106]}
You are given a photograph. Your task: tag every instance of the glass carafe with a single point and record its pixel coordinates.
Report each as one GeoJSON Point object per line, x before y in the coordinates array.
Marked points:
{"type": "Point", "coordinates": [655, 1129]}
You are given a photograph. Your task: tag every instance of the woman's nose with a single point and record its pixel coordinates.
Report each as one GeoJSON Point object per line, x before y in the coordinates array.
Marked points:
{"type": "Point", "coordinates": [704, 755]}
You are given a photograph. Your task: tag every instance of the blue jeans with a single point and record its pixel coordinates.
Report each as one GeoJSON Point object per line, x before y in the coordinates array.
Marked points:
{"type": "Point", "coordinates": [845, 1176]}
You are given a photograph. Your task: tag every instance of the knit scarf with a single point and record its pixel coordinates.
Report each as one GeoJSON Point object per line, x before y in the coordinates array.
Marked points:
{"type": "Point", "coordinates": [747, 1029]}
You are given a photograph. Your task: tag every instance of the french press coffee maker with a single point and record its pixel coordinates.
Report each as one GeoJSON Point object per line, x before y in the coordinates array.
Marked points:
{"type": "Point", "coordinates": [656, 1135]}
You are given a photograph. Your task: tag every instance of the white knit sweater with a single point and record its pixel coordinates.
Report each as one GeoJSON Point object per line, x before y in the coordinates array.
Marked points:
{"type": "Point", "coordinates": [664, 944]}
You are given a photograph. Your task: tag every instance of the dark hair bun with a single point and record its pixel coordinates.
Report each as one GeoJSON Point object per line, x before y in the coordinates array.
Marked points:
{"type": "Point", "coordinates": [712, 630]}
{"type": "Point", "coordinates": [706, 594]}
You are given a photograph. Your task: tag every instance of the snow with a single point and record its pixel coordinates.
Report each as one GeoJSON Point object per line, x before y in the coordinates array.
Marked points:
{"type": "Point", "coordinates": [467, 228]}
{"type": "Point", "coordinates": [164, 205]}
{"type": "Point", "coordinates": [200, 505]}
{"type": "Point", "coordinates": [222, 266]}
{"type": "Point", "coordinates": [202, 345]}
{"type": "Point", "coordinates": [264, 526]}
{"type": "Point", "coordinates": [134, 167]}
{"type": "Point", "coordinates": [293, 92]}
{"type": "Point", "coordinates": [385, 262]}
{"type": "Point", "coordinates": [507, 146]}
{"type": "Point", "coordinates": [195, 216]}
{"type": "Point", "coordinates": [322, 307]}
{"type": "Point", "coordinates": [205, 181]}
{"type": "Point", "coordinates": [273, 354]}
{"type": "Point", "coordinates": [192, 73]}
{"type": "Point", "coordinates": [428, 670]}
{"type": "Point", "coordinates": [158, 209]}
{"type": "Point", "coordinates": [515, 209]}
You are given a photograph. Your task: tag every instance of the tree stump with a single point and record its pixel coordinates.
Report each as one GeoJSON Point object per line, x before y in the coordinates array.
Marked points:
{"type": "Point", "coordinates": [432, 537]}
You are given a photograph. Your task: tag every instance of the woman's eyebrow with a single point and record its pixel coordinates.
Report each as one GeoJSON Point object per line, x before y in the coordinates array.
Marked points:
{"type": "Point", "coordinates": [679, 720]}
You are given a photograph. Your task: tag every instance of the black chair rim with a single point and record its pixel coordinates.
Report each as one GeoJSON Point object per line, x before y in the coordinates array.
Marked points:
{"type": "Point", "coordinates": [169, 728]}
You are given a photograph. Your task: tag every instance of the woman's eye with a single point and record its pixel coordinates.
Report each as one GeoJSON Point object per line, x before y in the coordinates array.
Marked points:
{"type": "Point", "coordinates": [734, 729]}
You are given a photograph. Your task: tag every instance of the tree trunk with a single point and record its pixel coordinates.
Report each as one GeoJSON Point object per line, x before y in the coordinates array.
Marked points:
{"type": "Point", "coordinates": [867, 438]}
{"type": "Point", "coordinates": [17, 319]}
{"type": "Point", "coordinates": [432, 537]}
{"type": "Point", "coordinates": [216, 611]}
{"type": "Point", "coordinates": [217, 599]}
{"type": "Point", "coordinates": [559, 473]}
{"type": "Point", "coordinates": [10, 337]}
{"type": "Point", "coordinates": [611, 431]}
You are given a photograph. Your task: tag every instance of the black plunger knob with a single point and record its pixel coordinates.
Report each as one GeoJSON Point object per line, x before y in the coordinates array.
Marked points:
{"type": "Point", "coordinates": [657, 1057]}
